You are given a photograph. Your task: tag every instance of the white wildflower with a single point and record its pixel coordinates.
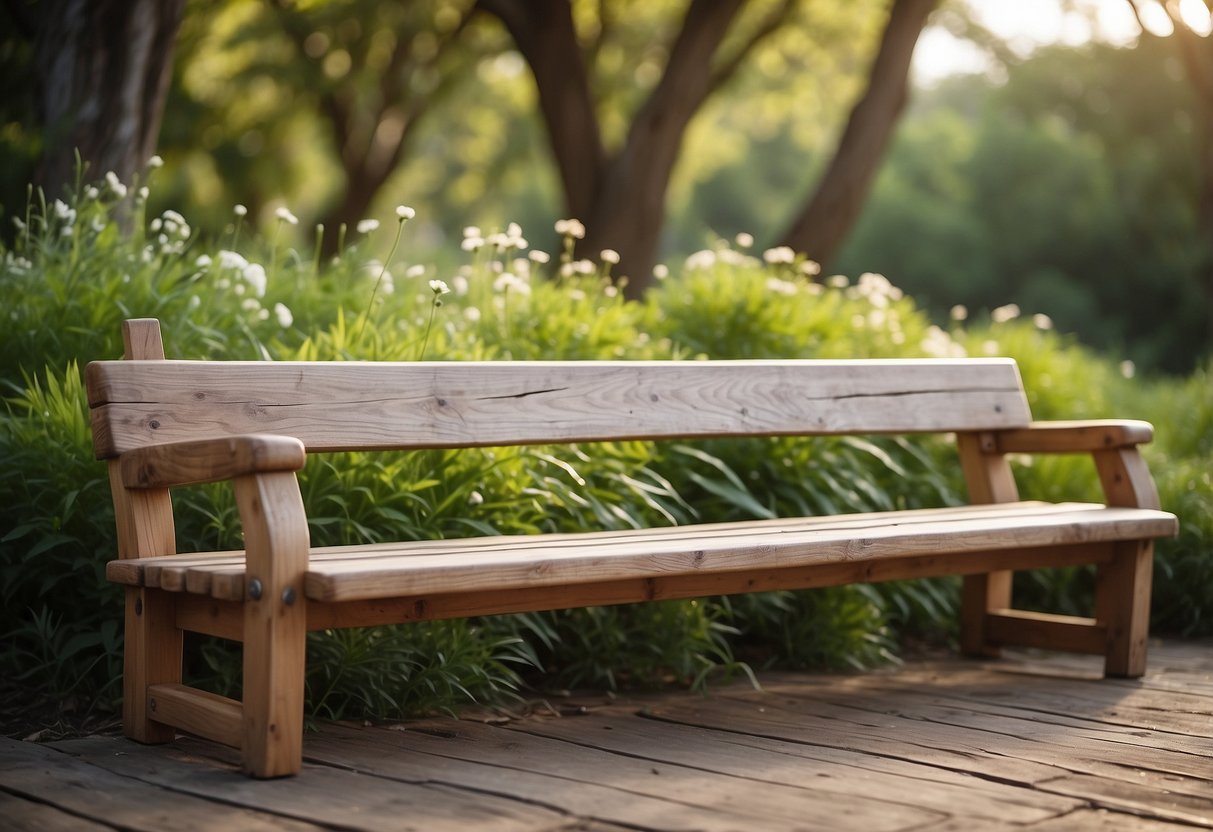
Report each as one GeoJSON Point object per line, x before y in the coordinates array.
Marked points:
{"type": "Point", "coordinates": [702, 259]}
{"type": "Point", "coordinates": [959, 312]}
{"type": "Point", "coordinates": [240, 210]}
{"type": "Point", "coordinates": [284, 215]}
{"type": "Point", "coordinates": [415, 271]}
{"type": "Point", "coordinates": [366, 226]}
{"type": "Point", "coordinates": [98, 225]}
{"type": "Point", "coordinates": [571, 228]}
{"type": "Point", "coordinates": [744, 240]}
{"type": "Point", "coordinates": [1005, 313]}
{"type": "Point", "coordinates": [509, 282]}
{"type": "Point", "coordinates": [1128, 369]}
{"type": "Point", "coordinates": [254, 276]}
{"type": "Point", "coordinates": [155, 225]}
{"type": "Point", "coordinates": [811, 268]}
{"type": "Point", "coordinates": [404, 212]}
{"type": "Point", "coordinates": [91, 193]}
{"type": "Point", "coordinates": [472, 243]}
{"type": "Point", "coordinates": [203, 261]}
{"type": "Point", "coordinates": [539, 256]}
{"type": "Point", "coordinates": [472, 314]}
{"type": "Point", "coordinates": [439, 287]}
{"type": "Point", "coordinates": [142, 194]}
{"type": "Point", "coordinates": [115, 184]}
{"type": "Point", "coordinates": [64, 212]}
{"type": "Point", "coordinates": [661, 271]}
{"type": "Point", "coordinates": [67, 231]}
{"type": "Point", "coordinates": [194, 302]}
{"type": "Point", "coordinates": [609, 255]}
{"type": "Point", "coordinates": [460, 284]}
{"type": "Point", "coordinates": [283, 313]}
{"type": "Point", "coordinates": [780, 287]}
{"type": "Point", "coordinates": [1042, 321]}
{"type": "Point", "coordinates": [471, 231]}
{"type": "Point", "coordinates": [263, 314]}
{"type": "Point", "coordinates": [232, 260]}
{"type": "Point", "coordinates": [155, 162]}
{"type": "Point", "coordinates": [837, 281]}
{"type": "Point", "coordinates": [250, 305]}
{"type": "Point", "coordinates": [779, 254]}
{"type": "Point", "coordinates": [19, 223]}
{"type": "Point", "coordinates": [990, 347]}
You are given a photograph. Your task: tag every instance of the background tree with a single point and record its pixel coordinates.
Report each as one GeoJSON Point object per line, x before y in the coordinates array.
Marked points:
{"type": "Point", "coordinates": [620, 194]}
{"type": "Point", "coordinates": [100, 75]}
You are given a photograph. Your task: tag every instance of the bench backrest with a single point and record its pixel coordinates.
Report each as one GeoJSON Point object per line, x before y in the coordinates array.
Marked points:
{"type": "Point", "coordinates": [339, 406]}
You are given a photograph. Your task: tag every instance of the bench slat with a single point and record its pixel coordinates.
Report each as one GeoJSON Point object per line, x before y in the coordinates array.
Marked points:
{"type": "Point", "coordinates": [469, 404]}
{"type": "Point", "coordinates": [411, 569]}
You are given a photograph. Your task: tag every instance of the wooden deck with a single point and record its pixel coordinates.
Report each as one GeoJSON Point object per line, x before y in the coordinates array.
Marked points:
{"type": "Point", "coordinates": [1024, 743]}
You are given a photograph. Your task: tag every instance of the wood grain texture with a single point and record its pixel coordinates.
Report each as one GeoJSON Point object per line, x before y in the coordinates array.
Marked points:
{"type": "Point", "coordinates": [1022, 628]}
{"type": "Point", "coordinates": [1075, 436]}
{"type": "Point", "coordinates": [275, 622]}
{"type": "Point", "coordinates": [197, 712]}
{"type": "Point", "coordinates": [499, 563]}
{"type": "Point", "coordinates": [209, 460]}
{"type": "Point", "coordinates": [466, 404]}
{"type": "Point", "coordinates": [1122, 605]}
{"type": "Point", "coordinates": [989, 480]}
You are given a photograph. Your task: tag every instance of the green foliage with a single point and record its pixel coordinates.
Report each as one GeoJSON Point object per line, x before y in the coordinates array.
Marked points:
{"type": "Point", "coordinates": [1071, 189]}
{"type": "Point", "coordinates": [67, 291]}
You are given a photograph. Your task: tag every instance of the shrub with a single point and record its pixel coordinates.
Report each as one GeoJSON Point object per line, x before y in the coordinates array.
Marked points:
{"type": "Point", "coordinates": [72, 277]}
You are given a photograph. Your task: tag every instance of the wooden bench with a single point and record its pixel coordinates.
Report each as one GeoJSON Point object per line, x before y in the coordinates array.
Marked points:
{"type": "Point", "coordinates": [163, 424]}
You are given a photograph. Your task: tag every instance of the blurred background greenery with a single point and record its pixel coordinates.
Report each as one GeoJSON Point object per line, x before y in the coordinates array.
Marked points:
{"type": "Point", "coordinates": [1071, 177]}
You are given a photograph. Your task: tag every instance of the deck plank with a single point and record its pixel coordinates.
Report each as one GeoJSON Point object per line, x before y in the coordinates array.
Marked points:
{"type": "Point", "coordinates": [331, 797]}
{"type": "Point", "coordinates": [1030, 742]}
{"type": "Point", "coordinates": [621, 788]}
{"type": "Point", "coordinates": [77, 786]}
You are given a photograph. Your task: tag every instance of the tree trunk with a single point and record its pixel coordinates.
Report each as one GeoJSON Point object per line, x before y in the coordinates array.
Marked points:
{"type": "Point", "coordinates": [824, 222]}
{"type": "Point", "coordinates": [102, 74]}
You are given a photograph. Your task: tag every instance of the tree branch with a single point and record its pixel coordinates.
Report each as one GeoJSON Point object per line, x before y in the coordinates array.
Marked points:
{"type": "Point", "coordinates": [772, 24]}
{"type": "Point", "coordinates": [823, 224]}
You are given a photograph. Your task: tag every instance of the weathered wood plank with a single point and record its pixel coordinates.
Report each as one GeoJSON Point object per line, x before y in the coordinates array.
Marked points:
{"type": "Point", "coordinates": [1102, 820]}
{"type": "Point", "coordinates": [95, 792]}
{"type": "Point", "coordinates": [334, 798]}
{"type": "Point", "coordinates": [545, 564]}
{"type": "Point", "coordinates": [468, 404]}
{"type": "Point", "coordinates": [21, 815]}
{"type": "Point", "coordinates": [619, 787]}
{"type": "Point", "coordinates": [840, 772]}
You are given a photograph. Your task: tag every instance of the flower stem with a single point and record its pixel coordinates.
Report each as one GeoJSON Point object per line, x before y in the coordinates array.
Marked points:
{"type": "Point", "coordinates": [382, 270]}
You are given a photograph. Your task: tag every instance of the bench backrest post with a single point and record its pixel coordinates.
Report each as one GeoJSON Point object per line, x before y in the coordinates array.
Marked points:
{"type": "Point", "coordinates": [989, 479]}
{"type": "Point", "coordinates": [145, 516]}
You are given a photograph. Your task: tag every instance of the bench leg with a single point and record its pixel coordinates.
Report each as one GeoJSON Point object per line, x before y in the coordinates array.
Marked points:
{"type": "Point", "coordinates": [981, 594]}
{"type": "Point", "coordinates": [1122, 604]}
{"type": "Point", "coordinates": [275, 623]}
{"type": "Point", "coordinates": [151, 656]}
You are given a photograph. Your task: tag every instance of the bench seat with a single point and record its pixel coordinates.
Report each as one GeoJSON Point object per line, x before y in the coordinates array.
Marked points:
{"type": "Point", "coordinates": [423, 568]}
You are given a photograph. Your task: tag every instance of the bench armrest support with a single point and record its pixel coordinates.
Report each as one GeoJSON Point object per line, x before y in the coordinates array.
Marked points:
{"type": "Point", "coordinates": [1073, 437]}
{"type": "Point", "coordinates": [1112, 443]}
{"type": "Point", "coordinates": [210, 460]}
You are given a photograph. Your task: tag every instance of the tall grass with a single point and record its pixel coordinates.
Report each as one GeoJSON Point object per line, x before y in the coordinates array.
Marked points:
{"type": "Point", "coordinates": [71, 277]}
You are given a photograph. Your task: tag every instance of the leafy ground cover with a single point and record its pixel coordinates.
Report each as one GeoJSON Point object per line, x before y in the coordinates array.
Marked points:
{"type": "Point", "coordinates": [79, 267]}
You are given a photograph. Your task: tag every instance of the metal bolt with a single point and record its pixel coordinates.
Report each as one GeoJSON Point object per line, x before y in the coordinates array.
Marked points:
{"type": "Point", "coordinates": [288, 595]}
{"type": "Point", "coordinates": [138, 606]}
{"type": "Point", "coordinates": [254, 589]}
{"type": "Point", "coordinates": [151, 704]}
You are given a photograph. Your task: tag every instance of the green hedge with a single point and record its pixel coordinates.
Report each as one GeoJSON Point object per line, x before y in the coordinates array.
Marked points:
{"type": "Point", "coordinates": [73, 275]}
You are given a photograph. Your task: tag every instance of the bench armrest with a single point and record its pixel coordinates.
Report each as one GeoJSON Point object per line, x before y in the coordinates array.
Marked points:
{"type": "Point", "coordinates": [1073, 437]}
{"type": "Point", "coordinates": [209, 460]}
